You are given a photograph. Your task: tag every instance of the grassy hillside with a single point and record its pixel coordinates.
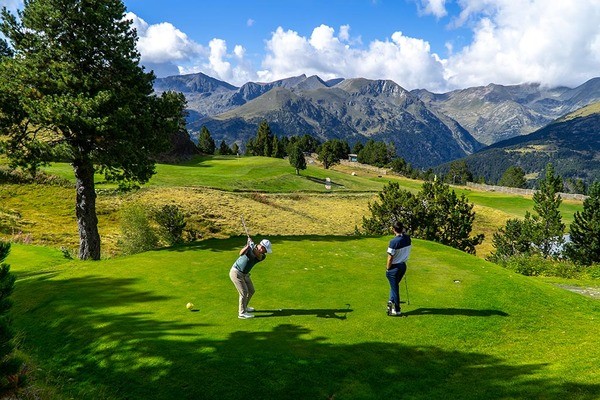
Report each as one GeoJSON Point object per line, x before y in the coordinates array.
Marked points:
{"type": "Point", "coordinates": [261, 174]}
{"type": "Point", "coordinates": [119, 329]}
{"type": "Point", "coordinates": [570, 143]}
{"type": "Point", "coordinates": [214, 191]}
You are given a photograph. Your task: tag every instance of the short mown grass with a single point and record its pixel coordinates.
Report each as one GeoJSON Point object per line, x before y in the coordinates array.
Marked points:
{"type": "Point", "coordinates": [119, 329]}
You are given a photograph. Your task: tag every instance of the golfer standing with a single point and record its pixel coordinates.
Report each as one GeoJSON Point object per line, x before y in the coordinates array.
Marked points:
{"type": "Point", "coordinates": [240, 273]}
{"type": "Point", "coordinates": [398, 252]}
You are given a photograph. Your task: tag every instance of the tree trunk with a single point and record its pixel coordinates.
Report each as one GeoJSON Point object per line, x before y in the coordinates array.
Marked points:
{"type": "Point", "coordinates": [85, 209]}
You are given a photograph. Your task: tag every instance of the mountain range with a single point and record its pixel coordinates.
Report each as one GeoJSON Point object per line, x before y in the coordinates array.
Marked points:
{"type": "Point", "coordinates": [571, 143]}
{"type": "Point", "coordinates": [494, 113]}
{"type": "Point", "coordinates": [427, 129]}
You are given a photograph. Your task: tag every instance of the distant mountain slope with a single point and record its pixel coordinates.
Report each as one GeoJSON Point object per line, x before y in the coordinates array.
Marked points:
{"type": "Point", "coordinates": [571, 144]}
{"type": "Point", "coordinates": [353, 110]}
{"type": "Point", "coordinates": [494, 113]}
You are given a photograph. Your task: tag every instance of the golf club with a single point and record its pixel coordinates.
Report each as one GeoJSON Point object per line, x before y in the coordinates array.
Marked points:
{"type": "Point", "coordinates": [406, 283]}
{"type": "Point", "coordinates": [244, 224]}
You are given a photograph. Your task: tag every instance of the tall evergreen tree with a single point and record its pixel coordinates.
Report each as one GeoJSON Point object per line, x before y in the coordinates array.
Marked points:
{"type": "Point", "coordinates": [459, 173]}
{"type": "Point", "coordinates": [75, 81]}
{"type": "Point", "coordinates": [264, 140]}
{"type": "Point", "coordinates": [358, 146]}
{"type": "Point", "coordinates": [546, 204]}
{"type": "Point", "coordinates": [331, 152]}
{"type": "Point", "coordinates": [206, 143]}
{"type": "Point", "coordinates": [541, 232]}
{"type": "Point", "coordinates": [297, 159]}
{"type": "Point", "coordinates": [513, 177]}
{"type": "Point", "coordinates": [9, 364]}
{"type": "Point", "coordinates": [224, 150]}
{"type": "Point", "coordinates": [308, 144]}
{"type": "Point", "coordinates": [585, 230]}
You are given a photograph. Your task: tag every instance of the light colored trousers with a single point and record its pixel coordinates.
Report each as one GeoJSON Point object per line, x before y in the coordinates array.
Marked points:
{"type": "Point", "coordinates": [244, 286]}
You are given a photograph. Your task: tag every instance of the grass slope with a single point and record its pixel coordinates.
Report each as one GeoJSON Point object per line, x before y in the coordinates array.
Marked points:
{"type": "Point", "coordinates": [256, 174]}
{"type": "Point", "coordinates": [119, 329]}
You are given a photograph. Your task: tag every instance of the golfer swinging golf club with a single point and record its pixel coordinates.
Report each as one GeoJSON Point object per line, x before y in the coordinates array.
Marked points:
{"type": "Point", "coordinates": [249, 256]}
{"type": "Point", "coordinates": [398, 252]}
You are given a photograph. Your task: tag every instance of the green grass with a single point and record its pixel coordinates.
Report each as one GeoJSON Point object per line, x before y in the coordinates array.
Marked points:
{"type": "Point", "coordinates": [119, 329]}
{"type": "Point", "coordinates": [261, 174]}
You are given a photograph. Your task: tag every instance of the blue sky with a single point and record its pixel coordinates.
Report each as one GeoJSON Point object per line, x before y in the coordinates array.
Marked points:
{"type": "Point", "coordinates": [438, 45]}
{"type": "Point", "coordinates": [251, 23]}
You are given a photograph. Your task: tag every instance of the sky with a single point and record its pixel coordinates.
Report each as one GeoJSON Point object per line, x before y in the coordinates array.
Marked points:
{"type": "Point", "coordinates": [438, 45]}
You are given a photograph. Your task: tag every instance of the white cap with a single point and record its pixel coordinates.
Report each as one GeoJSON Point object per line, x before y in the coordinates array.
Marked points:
{"type": "Point", "coordinates": [266, 244]}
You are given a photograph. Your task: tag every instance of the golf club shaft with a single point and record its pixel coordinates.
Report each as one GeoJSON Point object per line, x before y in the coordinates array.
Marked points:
{"type": "Point", "coordinates": [406, 284]}
{"type": "Point", "coordinates": [244, 225]}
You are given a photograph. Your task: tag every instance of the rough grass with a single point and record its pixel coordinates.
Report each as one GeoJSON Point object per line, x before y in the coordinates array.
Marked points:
{"type": "Point", "coordinates": [119, 329]}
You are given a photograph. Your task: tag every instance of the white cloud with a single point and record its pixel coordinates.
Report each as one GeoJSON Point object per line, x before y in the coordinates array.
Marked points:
{"type": "Point", "coordinates": [436, 8]}
{"type": "Point", "coordinates": [516, 41]}
{"type": "Point", "coordinates": [163, 42]}
{"type": "Point", "coordinates": [344, 33]}
{"type": "Point", "coordinates": [250, 22]}
{"type": "Point", "coordinates": [407, 61]}
{"type": "Point", "coordinates": [168, 51]}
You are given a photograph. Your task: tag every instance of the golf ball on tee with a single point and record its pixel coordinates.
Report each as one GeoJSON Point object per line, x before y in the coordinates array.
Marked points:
{"type": "Point", "coordinates": [189, 306]}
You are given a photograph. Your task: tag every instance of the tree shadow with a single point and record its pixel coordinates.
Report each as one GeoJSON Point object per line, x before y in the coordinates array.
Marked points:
{"type": "Point", "coordinates": [89, 353]}
{"type": "Point", "coordinates": [322, 181]}
{"type": "Point", "coordinates": [236, 242]}
{"type": "Point", "coordinates": [456, 311]}
{"type": "Point", "coordinates": [318, 312]}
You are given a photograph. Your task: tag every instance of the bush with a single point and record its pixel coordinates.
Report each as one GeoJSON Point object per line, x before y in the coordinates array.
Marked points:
{"type": "Point", "coordinates": [537, 265]}
{"type": "Point", "coordinates": [137, 233]}
{"type": "Point", "coordinates": [524, 265]}
{"type": "Point", "coordinates": [171, 223]}
{"type": "Point", "coordinates": [593, 271]}
{"type": "Point", "coordinates": [145, 229]}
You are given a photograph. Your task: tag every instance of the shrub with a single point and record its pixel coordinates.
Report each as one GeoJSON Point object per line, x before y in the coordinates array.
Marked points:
{"type": "Point", "coordinates": [171, 223]}
{"type": "Point", "coordinates": [537, 265]}
{"type": "Point", "coordinates": [137, 233]}
{"type": "Point", "coordinates": [524, 265]}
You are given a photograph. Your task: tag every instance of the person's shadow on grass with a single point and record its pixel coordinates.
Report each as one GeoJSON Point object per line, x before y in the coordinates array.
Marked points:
{"type": "Point", "coordinates": [337, 313]}
{"type": "Point", "coordinates": [455, 311]}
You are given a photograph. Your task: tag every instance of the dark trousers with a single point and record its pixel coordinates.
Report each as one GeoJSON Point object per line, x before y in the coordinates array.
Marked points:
{"type": "Point", "coordinates": [394, 276]}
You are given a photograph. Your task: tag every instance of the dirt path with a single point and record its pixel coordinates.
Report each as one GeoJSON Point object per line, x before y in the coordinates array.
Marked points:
{"type": "Point", "coordinates": [586, 291]}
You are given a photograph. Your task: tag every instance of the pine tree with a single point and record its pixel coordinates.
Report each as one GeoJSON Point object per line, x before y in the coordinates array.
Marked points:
{"type": "Point", "coordinates": [546, 204]}
{"type": "Point", "coordinates": [75, 81]}
{"type": "Point", "coordinates": [459, 173]}
{"type": "Point", "coordinates": [224, 150]}
{"type": "Point", "coordinates": [206, 143]}
{"type": "Point", "coordinates": [297, 159]}
{"type": "Point", "coordinates": [9, 364]}
{"type": "Point", "coordinates": [585, 230]}
{"type": "Point", "coordinates": [264, 140]}
{"type": "Point", "coordinates": [513, 177]}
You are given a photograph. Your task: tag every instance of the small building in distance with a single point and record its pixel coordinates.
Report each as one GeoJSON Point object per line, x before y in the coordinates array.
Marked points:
{"type": "Point", "coordinates": [353, 157]}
